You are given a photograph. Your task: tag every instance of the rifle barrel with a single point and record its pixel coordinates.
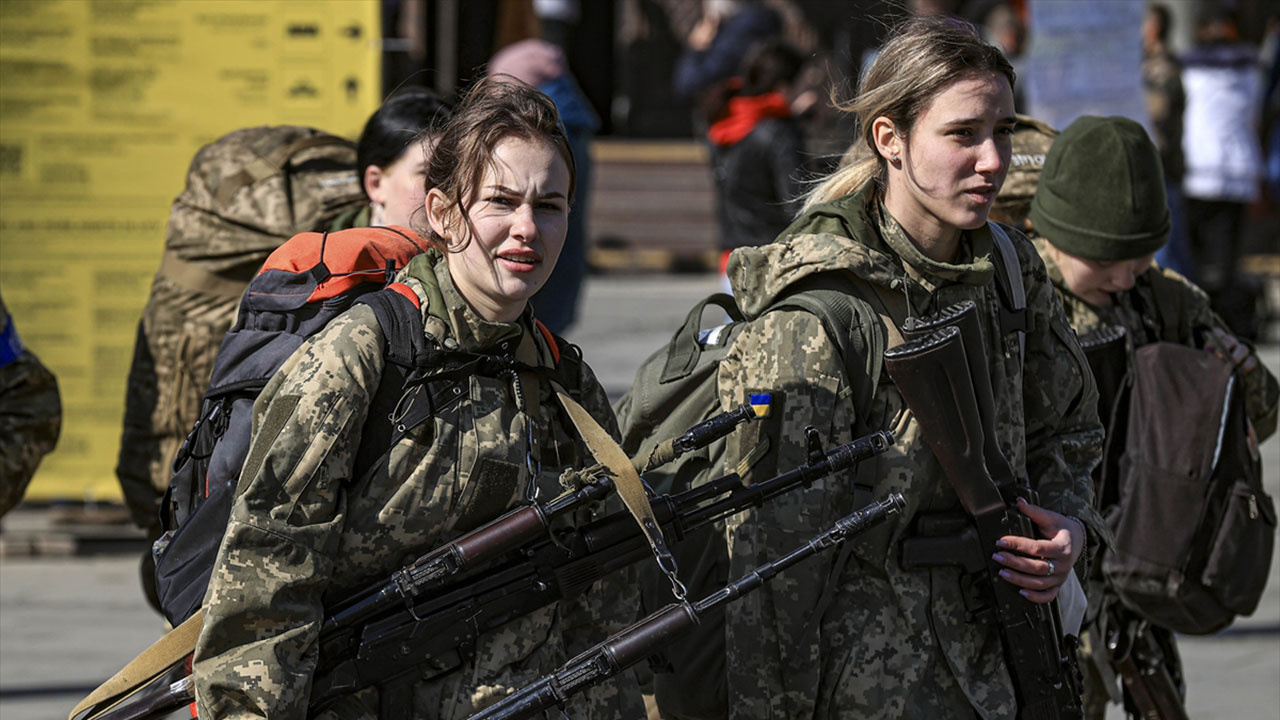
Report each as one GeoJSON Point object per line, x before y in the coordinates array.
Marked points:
{"type": "Point", "coordinates": [649, 635]}
{"type": "Point", "coordinates": [549, 570]}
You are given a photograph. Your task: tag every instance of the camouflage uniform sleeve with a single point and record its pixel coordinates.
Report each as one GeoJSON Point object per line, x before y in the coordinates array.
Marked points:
{"type": "Point", "coordinates": [258, 648]}
{"type": "Point", "coordinates": [30, 420]}
{"type": "Point", "coordinates": [1060, 405]}
{"type": "Point", "coordinates": [1261, 399]}
{"type": "Point", "coordinates": [771, 673]}
{"type": "Point", "coordinates": [610, 604]}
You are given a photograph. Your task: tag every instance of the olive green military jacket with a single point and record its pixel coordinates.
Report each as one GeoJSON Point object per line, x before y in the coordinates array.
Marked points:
{"type": "Point", "coordinates": [891, 643]}
{"type": "Point", "coordinates": [303, 533]}
{"type": "Point", "coordinates": [1165, 306]}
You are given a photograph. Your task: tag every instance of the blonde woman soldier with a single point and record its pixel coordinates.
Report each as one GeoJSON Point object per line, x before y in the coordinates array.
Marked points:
{"type": "Point", "coordinates": [866, 637]}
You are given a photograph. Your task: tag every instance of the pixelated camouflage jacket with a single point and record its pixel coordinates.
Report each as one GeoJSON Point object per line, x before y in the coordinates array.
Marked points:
{"type": "Point", "coordinates": [302, 533]}
{"type": "Point", "coordinates": [1181, 315]}
{"type": "Point", "coordinates": [30, 414]}
{"type": "Point", "coordinates": [891, 643]}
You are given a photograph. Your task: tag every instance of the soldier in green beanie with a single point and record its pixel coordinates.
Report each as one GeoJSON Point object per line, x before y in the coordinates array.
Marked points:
{"type": "Point", "coordinates": [1031, 141]}
{"type": "Point", "coordinates": [1101, 214]}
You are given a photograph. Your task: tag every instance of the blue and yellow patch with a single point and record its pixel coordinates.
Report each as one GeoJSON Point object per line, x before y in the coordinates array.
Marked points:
{"type": "Point", "coordinates": [760, 403]}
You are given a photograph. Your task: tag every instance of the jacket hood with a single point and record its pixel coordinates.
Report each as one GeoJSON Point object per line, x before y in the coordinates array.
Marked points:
{"type": "Point", "coordinates": [447, 316]}
{"type": "Point", "coordinates": [850, 234]}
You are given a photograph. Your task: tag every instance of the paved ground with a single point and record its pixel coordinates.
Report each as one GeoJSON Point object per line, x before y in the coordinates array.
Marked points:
{"type": "Point", "coordinates": [68, 621]}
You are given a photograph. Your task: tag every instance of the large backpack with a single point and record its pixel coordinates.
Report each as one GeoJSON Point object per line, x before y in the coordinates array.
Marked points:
{"type": "Point", "coordinates": [1194, 529]}
{"type": "Point", "coordinates": [304, 284]}
{"type": "Point", "coordinates": [676, 387]}
{"type": "Point", "coordinates": [246, 193]}
{"type": "Point", "coordinates": [249, 191]}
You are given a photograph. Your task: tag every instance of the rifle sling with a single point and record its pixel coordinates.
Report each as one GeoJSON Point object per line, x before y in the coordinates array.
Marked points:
{"type": "Point", "coordinates": [163, 653]}
{"type": "Point", "coordinates": [625, 478]}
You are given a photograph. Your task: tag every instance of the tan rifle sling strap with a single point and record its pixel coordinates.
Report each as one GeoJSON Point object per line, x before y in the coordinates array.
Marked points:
{"type": "Point", "coordinates": [613, 458]}
{"type": "Point", "coordinates": [626, 481]}
{"type": "Point", "coordinates": [169, 650]}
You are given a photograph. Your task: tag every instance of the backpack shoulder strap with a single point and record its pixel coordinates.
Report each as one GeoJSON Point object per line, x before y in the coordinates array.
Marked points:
{"type": "Point", "coordinates": [1013, 294]}
{"type": "Point", "coordinates": [683, 351]}
{"type": "Point", "coordinates": [396, 308]}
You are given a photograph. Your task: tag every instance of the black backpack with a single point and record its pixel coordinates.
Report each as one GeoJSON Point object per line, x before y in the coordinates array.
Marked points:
{"type": "Point", "coordinates": [1194, 530]}
{"type": "Point", "coordinates": [302, 286]}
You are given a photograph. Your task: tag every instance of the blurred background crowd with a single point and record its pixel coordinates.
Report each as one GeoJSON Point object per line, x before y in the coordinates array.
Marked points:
{"type": "Point", "coordinates": [712, 71]}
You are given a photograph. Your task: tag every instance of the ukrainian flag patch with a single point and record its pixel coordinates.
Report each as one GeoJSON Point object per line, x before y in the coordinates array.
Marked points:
{"type": "Point", "coordinates": [760, 403]}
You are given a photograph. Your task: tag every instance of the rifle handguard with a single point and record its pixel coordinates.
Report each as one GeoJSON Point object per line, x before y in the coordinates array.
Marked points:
{"type": "Point", "coordinates": [696, 437]}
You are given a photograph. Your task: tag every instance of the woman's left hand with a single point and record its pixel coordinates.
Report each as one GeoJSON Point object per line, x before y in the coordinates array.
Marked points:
{"type": "Point", "coordinates": [1041, 565]}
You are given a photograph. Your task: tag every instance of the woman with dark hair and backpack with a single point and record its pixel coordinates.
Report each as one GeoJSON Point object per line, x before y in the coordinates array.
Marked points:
{"type": "Point", "coordinates": [305, 533]}
{"type": "Point", "coordinates": [185, 319]}
{"type": "Point", "coordinates": [392, 157]}
{"type": "Point", "coordinates": [905, 231]}
{"type": "Point", "coordinates": [1101, 214]}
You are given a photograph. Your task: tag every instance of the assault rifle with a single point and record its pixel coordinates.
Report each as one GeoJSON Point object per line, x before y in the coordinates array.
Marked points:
{"type": "Point", "coordinates": [941, 374]}
{"type": "Point", "coordinates": [508, 532]}
{"type": "Point", "coordinates": [389, 651]}
{"type": "Point", "coordinates": [153, 694]}
{"type": "Point", "coordinates": [374, 641]}
{"type": "Point", "coordinates": [651, 634]}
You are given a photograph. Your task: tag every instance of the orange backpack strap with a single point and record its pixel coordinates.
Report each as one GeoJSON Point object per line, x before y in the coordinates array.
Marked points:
{"type": "Point", "coordinates": [407, 292]}
{"type": "Point", "coordinates": [550, 338]}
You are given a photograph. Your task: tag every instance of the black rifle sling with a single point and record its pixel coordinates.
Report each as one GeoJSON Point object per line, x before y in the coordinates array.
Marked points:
{"type": "Point", "coordinates": [1013, 295]}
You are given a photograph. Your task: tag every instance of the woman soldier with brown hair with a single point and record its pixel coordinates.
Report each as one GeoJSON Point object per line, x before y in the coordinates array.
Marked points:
{"type": "Point", "coordinates": [305, 533]}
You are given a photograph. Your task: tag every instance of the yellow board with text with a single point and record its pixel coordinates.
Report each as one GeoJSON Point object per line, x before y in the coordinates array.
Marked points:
{"type": "Point", "coordinates": [102, 106]}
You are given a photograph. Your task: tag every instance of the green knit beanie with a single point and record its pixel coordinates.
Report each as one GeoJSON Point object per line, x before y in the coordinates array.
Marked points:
{"type": "Point", "coordinates": [1101, 195]}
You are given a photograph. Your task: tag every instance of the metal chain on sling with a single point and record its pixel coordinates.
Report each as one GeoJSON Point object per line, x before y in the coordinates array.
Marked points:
{"type": "Point", "coordinates": [629, 486]}
{"type": "Point", "coordinates": [532, 458]}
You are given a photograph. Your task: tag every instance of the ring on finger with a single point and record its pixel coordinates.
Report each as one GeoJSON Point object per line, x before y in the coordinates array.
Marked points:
{"type": "Point", "coordinates": [1050, 568]}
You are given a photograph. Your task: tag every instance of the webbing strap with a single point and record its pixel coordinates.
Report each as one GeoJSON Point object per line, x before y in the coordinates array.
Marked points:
{"type": "Point", "coordinates": [1016, 317]}
{"type": "Point", "coordinates": [163, 654]}
{"type": "Point", "coordinates": [625, 479]}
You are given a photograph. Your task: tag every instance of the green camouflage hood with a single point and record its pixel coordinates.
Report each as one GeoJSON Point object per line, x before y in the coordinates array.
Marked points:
{"type": "Point", "coordinates": [852, 234]}
{"type": "Point", "coordinates": [447, 317]}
